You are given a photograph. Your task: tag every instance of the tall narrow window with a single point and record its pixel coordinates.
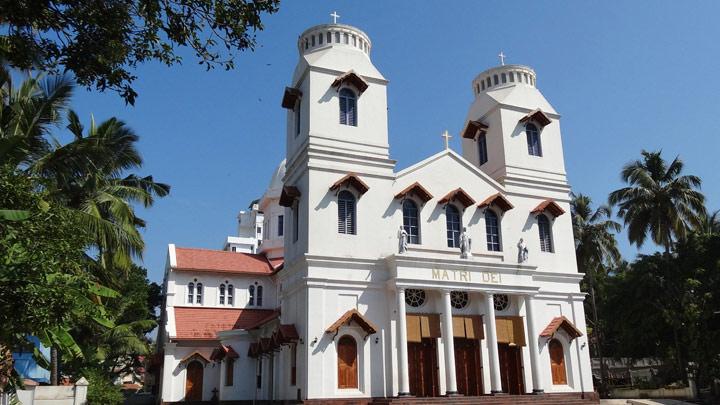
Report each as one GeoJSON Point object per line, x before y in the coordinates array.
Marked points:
{"type": "Point", "coordinates": [230, 295]}
{"type": "Point", "coordinates": [411, 222]}
{"type": "Point", "coordinates": [557, 362]}
{"type": "Point", "coordinates": [198, 293]}
{"type": "Point", "coordinates": [297, 118]}
{"type": "Point", "coordinates": [495, 80]}
{"type": "Point", "coordinates": [452, 220]}
{"type": "Point", "coordinates": [347, 362]}
{"type": "Point", "coordinates": [348, 107]}
{"type": "Point", "coordinates": [487, 82]}
{"type": "Point", "coordinates": [346, 213]}
{"type": "Point", "coordinates": [281, 225]}
{"type": "Point", "coordinates": [229, 371]}
{"type": "Point", "coordinates": [296, 222]}
{"type": "Point", "coordinates": [492, 229]}
{"type": "Point", "coordinates": [320, 38]}
{"type": "Point", "coordinates": [251, 296]}
{"type": "Point", "coordinates": [293, 364]}
{"type": "Point", "coordinates": [482, 149]}
{"type": "Point", "coordinates": [546, 244]}
{"type": "Point", "coordinates": [503, 76]}
{"type": "Point", "coordinates": [222, 294]}
{"type": "Point", "coordinates": [259, 296]}
{"type": "Point", "coordinates": [533, 140]}
{"type": "Point", "coordinates": [191, 292]}
{"type": "Point", "coordinates": [329, 37]}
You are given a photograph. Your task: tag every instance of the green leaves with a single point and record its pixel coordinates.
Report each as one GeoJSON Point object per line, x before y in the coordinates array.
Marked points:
{"type": "Point", "coordinates": [14, 215]}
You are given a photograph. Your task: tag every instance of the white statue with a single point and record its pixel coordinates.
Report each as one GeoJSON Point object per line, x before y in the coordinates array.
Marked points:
{"type": "Point", "coordinates": [402, 240]}
{"type": "Point", "coordinates": [465, 245]}
{"type": "Point", "coordinates": [522, 251]}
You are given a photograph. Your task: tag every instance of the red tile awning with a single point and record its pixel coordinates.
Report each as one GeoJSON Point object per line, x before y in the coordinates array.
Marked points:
{"type": "Point", "coordinates": [222, 351]}
{"type": "Point", "coordinates": [198, 323]}
{"type": "Point", "coordinates": [351, 180]}
{"type": "Point", "coordinates": [458, 195]}
{"type": "Point", "coordinates": [254, 350]}
{"type": "Point", "coordinates": [549, 206]}
{"type": "Point", "coordinates": [497, 200]}
{"type": "Point", "coordinates": [537, 116]}
{"type": "Point", "coordinates": [287, 334]}
{"type": "Point", "coordinates": [288, 196]}
{"type": "Point", "coordinates": [353, 315]}
{"type": "Point", "coordinates": [194, 356]}
{"type": "Point", "coordinates": [472, 128]}
{"type": "Point", "coordinates": [290, 97]}
{"type": "Point", "coordinates": [352, 78]}
{"type": "Point", "coordinates": [563, 323]}
{"type": "Point", "coordinates": [417, 190]}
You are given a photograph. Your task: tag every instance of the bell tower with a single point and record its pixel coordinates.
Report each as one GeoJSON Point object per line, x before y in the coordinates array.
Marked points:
{"type": "Point", "coordinates": [511, 132]}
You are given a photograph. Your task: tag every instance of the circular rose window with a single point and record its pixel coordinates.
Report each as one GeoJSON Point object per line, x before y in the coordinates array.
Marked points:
{"type": "Point", "coordinates": [414, 298]}
{"type": "Point", "coordinates": [458, 299]}
{"type": "Point", "coordinates": [501, 302]}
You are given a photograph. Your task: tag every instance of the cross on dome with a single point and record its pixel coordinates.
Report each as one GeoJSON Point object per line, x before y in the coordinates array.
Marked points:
{"type": "Point", "coordinates": [502, 58]}
{"type": "Point", "coordinates": [335, 16]}
{"type": "Point", "coordinates": [447, 137]}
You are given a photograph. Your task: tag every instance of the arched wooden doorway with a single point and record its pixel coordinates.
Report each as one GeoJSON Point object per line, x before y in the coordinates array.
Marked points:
{"type": "Point", "coordinates": [194, 381]}
{"type": "Point", "coordinates": [347, 363]}
{"type": "Point", "coordinates": [557, 362]}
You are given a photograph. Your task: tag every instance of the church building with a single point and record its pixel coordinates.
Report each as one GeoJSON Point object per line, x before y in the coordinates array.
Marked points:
{"type": "Point", "coordinates": [455, 276]}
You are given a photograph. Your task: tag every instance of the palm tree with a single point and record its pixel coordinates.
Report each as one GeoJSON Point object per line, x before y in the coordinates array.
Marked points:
{"type": "Point", "coordinates": [596, 250]}
{"type": "Point", "coordinates": [658, 201]}
{"type": "Point", "coordinates": [710, 223]}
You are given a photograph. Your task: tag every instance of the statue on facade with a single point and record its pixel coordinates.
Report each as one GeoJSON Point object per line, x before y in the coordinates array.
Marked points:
{"type": "Point", "coordinates": [522, 251]}
{"type": "Point", "coordinates": [402, 240]}
{"type": "Point", "coordinates": [465, 245]}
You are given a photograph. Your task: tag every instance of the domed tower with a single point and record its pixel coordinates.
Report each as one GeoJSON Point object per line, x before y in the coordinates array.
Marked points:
{"type": "Point", "coordinates": [512, 133]}
{"type": "Point", "coordinates": [336, 126]}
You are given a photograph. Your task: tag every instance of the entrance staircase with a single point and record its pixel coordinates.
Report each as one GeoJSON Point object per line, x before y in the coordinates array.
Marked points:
{"type": "Point", "coordinates": [544, 399]}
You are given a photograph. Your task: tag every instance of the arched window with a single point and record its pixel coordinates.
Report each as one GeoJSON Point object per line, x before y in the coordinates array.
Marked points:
{"type": "Point", "coordinates": [452, 220]}
{"type": "Point", "coordinates": [222, 294]}
{"type": "Point", "coordinates": [251, 296]}
{"type": "Point", "coordinates": [230, 295]}
{"type": "Point", "coordinates": [346, 213]}
{"type": "Point", "coordinates": [191, 292]}
{"type": "Point", "coordinates": [557, 362]}
{"type": "Point", "coordinates": [348, 107]}
{"type": "Point", "coordinates": [411, 222]}
{"type": "Point", "coordinates": [533, 140]}
{"type": "Point", "coordinates": [259, 296]}
{"type": "Point", "coordinates": [492, 230]}
{"type": "Point", "coordinates": [546, 244]}
{"type": "Point", "coordinates": [347, 362]}
{"type": "Point", "coordinates": [198, 293]}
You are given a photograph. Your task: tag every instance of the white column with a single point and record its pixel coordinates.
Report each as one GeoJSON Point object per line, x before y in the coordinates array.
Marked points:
{"type": "Point", "coordinates": [533, 342]}
{"type": "Point", "coordinates": [495, 383]}
{"type": "Point", "coordinates": [404, 377]}
{"type": "Point", "coordinates": [449, 345]}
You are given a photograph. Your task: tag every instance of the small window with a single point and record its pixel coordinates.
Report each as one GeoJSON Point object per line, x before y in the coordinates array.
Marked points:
{"type": "Point", "coordinates": [307, 44]}
{"type": "Point", "coordinates": [477, 88]}
{"type": "Point", "coordinates": [526, 78]}
{"type": "Point", "coordinates": [346, 38]}
{"type": "Point", "coordinates": [222, 294]}
{"type": "Point", "coordinates": [296, 222]}
{"type": "Point", "coordinates": [329, 37]}
{"type": "Point", "coordinates": [347, 362]}
{"type": "Point", "coordinates": [495, 79]}
{"type": "Point", "coordinates": [459, 299]}
{"type": "Point", "coordinates": [259, 295]}
{"type": "Point", "coordinates": [411, 222]}
{"type": "Point", "coordinates": [482, 84]}
{"type": "Point", "coordinates": [251, 296]}
{"type": "Point", "coordinates": [492, 230]}
{"type": "Point", "coordinates": [191, 292]}
{"type": "Point", "coordinates": [453, 223]}
{"type": "Point", "coordinates": [258, 379]}
{"type": "Point", "coordinates": [281, 225]}
{"type": "Point", "coordinates": [298, 116]}
{"type": "Point", "coordinates": [557, 362]}
{"type": "Point", "coordinates": [234, 249]}
{"type": "Point", "coordinates": [354, 42]}
{"type": "Point", "coordinates": [229, 371]}
{"type": "Point", "coordinates": [348, 107]}
{"type": "Point", "coordinates": [482, 150]}
{"type": "Point", "coordinates": [546, 244]}
{"type": "Point", "coordinates": [533, 140]}
{"type": "Point", "coordinates": [414, 297]}
{"type": "Point", "coordinates": [293, 364]}
{"type": "Point", "coordinates": [501, 302]}
{"type": "Point", "coordinates": [320, 39]}
{"type": "Point", "coordinates": [503, 76]}
{"type": "Point", "coordinates": [346, 213]}
{"type": "Point", "coordinates": [230, 295]}
{"type": "Point", "coordinates": [337, 37]}
{"type": "Point", "coordinates": [487, 82]}
{"type": "Point", "coordinates": [511, 76]}
{"type": "Point", "coordinates": [198, 293]}
{"type": "Point", "coordinates": [258, 230]}
{"type": "Point", "coordinates": [312, 40]}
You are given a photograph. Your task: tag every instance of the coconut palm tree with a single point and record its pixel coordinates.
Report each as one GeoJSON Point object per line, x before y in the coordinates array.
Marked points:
{"type": "Point", "coordinates": [658, 201]}
{"type": "Point", "coordinates": [710, 223]}
{"type": "Point", "coordinates": [596, 250]}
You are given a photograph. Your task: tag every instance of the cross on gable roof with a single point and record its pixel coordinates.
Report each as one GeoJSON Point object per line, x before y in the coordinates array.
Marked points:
{"type": "Point", "coordinates": [498, 200]}
{"type": "Point", "coordinates": [417, 190]}
{"type": "Point", "coordinates": [458, 195]}
{"type": "Point", "coordinates": [351, 179]}
{"type": "Point", "coordinates": [550, 206]}
{"type": "Point", "coordinates": [563, 323]}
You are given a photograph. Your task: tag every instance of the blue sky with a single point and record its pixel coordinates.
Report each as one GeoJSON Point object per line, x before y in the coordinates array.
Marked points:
{"type": "Point", "coordinates": [624, 76]}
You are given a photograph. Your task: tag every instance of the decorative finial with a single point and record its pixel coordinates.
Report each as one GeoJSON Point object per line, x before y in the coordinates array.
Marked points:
{"type": "Point", "coordinates": [502, 58]}
{"type": "Point", "coordinates": [447, 137]}
{"type": "Point", "coordinates": [335, 16]}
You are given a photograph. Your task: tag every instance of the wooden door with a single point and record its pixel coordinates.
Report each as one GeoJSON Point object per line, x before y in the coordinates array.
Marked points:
{"type": "Point", "coordinates": [511, 373]}
{"type": "Point", "coordinates": [194, 381]}
{"type": "Point", "coordinates": [347, 363]}
{"type": "Point", "coordinates": [422, 367]}
{"type": "Point", "coordinates": [468, 368]}
{"type": "Point", "coordinates": [557, 363]}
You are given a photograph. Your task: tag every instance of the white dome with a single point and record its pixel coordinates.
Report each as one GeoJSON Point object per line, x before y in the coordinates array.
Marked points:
{"type": "Point", "coordinates": [276, 182]}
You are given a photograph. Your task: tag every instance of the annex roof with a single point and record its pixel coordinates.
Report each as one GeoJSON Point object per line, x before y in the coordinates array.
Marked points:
{"type": "Point", "coordinates": [221, 261]}
{"type": "Point", "coordinates": [204, 323]}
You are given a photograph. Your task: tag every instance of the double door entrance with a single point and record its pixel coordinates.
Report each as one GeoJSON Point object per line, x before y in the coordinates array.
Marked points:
{"type": "Point", "coordinates": [423, 367]}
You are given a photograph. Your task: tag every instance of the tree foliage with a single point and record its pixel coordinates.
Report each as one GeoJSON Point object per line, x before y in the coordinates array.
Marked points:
{"type": "Point", "coordinates": [102, 42]}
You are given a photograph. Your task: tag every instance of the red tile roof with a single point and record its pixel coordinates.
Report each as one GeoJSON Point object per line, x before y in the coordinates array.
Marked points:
{"type": "Point", "coordinates": [561, 322]}
{"type": "Point", "coordinates": [277, 262]}
{"type": "Point", "coordinates": [205, 323]}
{"type": "Point", "coordinates": [351, 179]}
{"type": "Point", "coordinates": [357, 317]}
{"type": "Point", "coordinates": [460, 195]}
{"type": "Point", "coordinates": [416, 189]}
{"type": "Point", "coordinates": [550, 206]}
{"type": "Point", "coordinates": [498, 200]}
{"type": "Point", "coordinates": [221, 261]}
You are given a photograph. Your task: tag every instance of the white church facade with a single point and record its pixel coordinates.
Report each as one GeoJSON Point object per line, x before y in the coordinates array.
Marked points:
{"type": "Point", "coordinates": [454, 276]}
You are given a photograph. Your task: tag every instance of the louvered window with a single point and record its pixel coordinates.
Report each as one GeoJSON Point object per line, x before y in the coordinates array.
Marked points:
{"type": "Point", "coordinates": [348, 107]}
{"type": "Point", "coordinates": [533, 140]}
{"type": "Point", "coordinates": [191, 293]}
{"type": "Point", "coordinates": [251, 296]}
{"type": "Point", "coordinates": [482, 149]}
{"type": "Point", "coordinates": [545, 234]}
{"type": "Point", "coordinates": [230, 293]}
{"type": "Point", "coordinates": [411, 222]}
{"type": "Point", "coordinates": [492, 229]}
{"type": "Point", "coordinates": [452, 220]}
{"type": "Point", "coordinates": [346, 213]}
{"type": "Point", "coordinates": [259, 295]}
{"type": "Point", "coordinates": [222, 294]}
